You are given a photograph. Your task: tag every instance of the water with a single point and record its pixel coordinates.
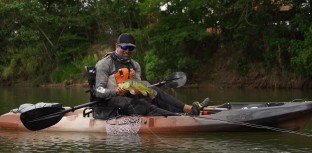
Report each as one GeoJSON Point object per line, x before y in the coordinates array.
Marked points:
{"type": "Point", "coordinates": [223, 142]}
{"type": "Point", "coordinates": [197, 142]}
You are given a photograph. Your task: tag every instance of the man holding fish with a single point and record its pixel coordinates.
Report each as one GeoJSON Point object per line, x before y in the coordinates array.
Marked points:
{"type": "Point", "coordinates": [118, 84]}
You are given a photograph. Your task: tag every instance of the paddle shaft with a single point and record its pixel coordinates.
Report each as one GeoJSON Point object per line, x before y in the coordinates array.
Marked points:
{"type": "Point", "coordinates": [164, 82]}
{"type": "Point", "coordinates": [79, 106]}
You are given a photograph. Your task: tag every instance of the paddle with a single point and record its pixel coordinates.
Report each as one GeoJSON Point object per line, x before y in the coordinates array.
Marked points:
{"type": "Point", "coordinates": [44, 117]}
{"type": "Point", "coordinates": [175, 80]}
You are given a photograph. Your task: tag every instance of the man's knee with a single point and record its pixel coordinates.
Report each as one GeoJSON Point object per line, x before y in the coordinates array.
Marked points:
{"type": "Point", "coordinates": [121, 102]}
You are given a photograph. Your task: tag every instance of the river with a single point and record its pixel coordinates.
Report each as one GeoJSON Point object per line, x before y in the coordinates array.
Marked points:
{"type": "Point", "coordinates": [223, 142]}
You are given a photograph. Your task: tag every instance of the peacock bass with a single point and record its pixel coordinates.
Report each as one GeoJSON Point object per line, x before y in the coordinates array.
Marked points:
{"type": "Point", "coordinates": [137, 85]}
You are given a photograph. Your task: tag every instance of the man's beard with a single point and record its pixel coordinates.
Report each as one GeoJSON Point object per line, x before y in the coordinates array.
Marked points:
{"type": "Point", "coordinates": [124, 59]}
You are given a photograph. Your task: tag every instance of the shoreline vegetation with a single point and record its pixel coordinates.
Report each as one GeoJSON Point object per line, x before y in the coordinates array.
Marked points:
{"type": "Point", "coordinates": [216, 77]}
{"type": "Point", "coordinates": [217, 74]}
{"type": "Point", "coordinates": [218, 44]}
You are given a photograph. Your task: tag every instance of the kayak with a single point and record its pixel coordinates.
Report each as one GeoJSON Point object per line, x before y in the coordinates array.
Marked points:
{"type": "Point", "coordinates": [232, 116]}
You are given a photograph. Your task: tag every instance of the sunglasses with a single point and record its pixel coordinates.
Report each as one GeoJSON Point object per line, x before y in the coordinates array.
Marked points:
{"type": "Point", "coordinates": [125, 47]}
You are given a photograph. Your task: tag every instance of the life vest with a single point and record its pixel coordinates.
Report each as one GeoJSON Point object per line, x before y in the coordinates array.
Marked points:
{"type": "Point", "coordinates": [123, 74]}
{"type": "Point", "coordinates": [124, 69]}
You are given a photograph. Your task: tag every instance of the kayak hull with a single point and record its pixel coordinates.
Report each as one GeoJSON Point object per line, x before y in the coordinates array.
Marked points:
{"type": "Point", "coordinates": [240, 117]}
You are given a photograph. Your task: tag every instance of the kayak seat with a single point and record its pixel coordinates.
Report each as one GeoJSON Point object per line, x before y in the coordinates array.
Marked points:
{"type": "Point", "coordinates": [91, 74]}
{"type": "Point", "coordinates": [99, 110]}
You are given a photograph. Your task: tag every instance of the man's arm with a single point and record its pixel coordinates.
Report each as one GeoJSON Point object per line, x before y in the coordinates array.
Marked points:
{"type": "Point", "coordinates": [102, 75]}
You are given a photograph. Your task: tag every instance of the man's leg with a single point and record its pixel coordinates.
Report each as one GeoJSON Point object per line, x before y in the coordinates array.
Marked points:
{"type": "Point", "coordinates": [168, 102]}
{"type": "Point", "coordinates": [144, 106]}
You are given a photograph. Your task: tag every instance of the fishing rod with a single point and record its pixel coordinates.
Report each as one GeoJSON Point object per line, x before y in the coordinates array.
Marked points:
{"type": "Point", "coordinates": [258, 126]}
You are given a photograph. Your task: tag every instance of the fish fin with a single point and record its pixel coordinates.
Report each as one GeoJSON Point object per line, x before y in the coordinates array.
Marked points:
{"type": "Point", "coordinates": [144, 93]}
{"type": "Point", "coordinates": [132, 92]}
{"type": "Point", "coordinates": [151, 95]}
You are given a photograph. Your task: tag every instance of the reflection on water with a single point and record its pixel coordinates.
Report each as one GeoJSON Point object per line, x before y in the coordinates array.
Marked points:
{"type": "Point", "coordinates": [228, 142]}
{"type": "Point", "coordinates": [195, 142]}
{"type": "Point", "coordinates": [13, 141]}
{"type": "Point", "coordinates": [123, 143]}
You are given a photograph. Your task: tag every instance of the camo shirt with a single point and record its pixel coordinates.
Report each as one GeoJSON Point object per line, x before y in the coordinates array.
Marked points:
{"type": "Point", "coordinates": [105, 83]}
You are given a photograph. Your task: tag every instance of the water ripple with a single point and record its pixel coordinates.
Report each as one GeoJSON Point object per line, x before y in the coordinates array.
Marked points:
{"type": "Point", "coordinates": [195, 142]}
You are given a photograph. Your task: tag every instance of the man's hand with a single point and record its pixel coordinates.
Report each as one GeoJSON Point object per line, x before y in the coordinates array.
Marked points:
{"type": "Point", "coordinates": [121, 92]}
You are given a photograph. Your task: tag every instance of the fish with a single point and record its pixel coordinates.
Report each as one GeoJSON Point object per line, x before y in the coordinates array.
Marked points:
{"type": "Point", "coordinates": [137, 85]}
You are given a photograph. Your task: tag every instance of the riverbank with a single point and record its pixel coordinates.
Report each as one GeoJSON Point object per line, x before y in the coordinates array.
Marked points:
{"type": "Point", "coordinates": [219, 79]}
{"type": "Point", "coordinates": [216, 76]}
{"type": "Point", "coordinates": [217, 72]}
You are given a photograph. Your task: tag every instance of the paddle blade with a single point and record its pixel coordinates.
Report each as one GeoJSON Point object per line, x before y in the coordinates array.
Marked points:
{"type": "Point", "coordinates": [41, 118]}
{"type": "Point", "coordinates": [176, 80]}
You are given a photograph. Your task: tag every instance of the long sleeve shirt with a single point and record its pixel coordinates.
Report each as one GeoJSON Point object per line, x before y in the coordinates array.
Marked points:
{"type": "Point", "coordinates": [105, 83]}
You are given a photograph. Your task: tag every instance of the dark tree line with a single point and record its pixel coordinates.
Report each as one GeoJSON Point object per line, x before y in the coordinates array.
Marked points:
{"type": "Point", "coordinates": [50, 40]}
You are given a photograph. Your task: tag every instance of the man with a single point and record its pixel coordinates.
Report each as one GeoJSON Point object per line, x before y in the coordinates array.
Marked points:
{"type": "Point", "coordinates": [118, 66]}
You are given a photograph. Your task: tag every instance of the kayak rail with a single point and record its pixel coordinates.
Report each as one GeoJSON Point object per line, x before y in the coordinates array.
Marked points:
{"type": "Point", "coordinates": [240, 105]}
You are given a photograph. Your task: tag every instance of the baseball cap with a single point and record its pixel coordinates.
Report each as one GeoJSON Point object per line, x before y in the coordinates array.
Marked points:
{"type": "Point", "coordinates": [126, 39]}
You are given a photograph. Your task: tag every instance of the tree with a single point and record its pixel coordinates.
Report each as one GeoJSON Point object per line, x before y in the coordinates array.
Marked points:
{"type": "Point", "coordinates": [300, 48]}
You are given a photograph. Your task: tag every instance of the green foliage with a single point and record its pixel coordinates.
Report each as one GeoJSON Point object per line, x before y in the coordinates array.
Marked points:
{"type": "Point", "coordinates": [240, 66]}
{"type": "Point", "coordinates": [62, 30]}
{"type": "Point", "coordinates": [65, 72]}
{"type": "Point", "coordinates": [262, 33]}
{"type": "Point", "coordinates": [157, 66]}
{"type": "Point", "coordinates": [173, 37]}
{"type": "Point", "coordinates": [41, 36]}
{"type": "Point", "coordinates": [154, 65]}
{"type": "Point", "coordinates": [300, 47]}
{"type": "Point", "coordinates": [73, 71]}
{"type": "Point", "coordinates": [70, 46]}
{"type": "Point", "coordinates": [175, 31]}
{"type": "Point", "coordinates": [118, 16]}
{"type": "Point", "coordinates": [141, 49]}
{"type": "Point", "coordinates": [24, 35]}
{"type": "Point", "coordinates": [301, 50]}
{"type": "Point", "coordinates": [27, 63]}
